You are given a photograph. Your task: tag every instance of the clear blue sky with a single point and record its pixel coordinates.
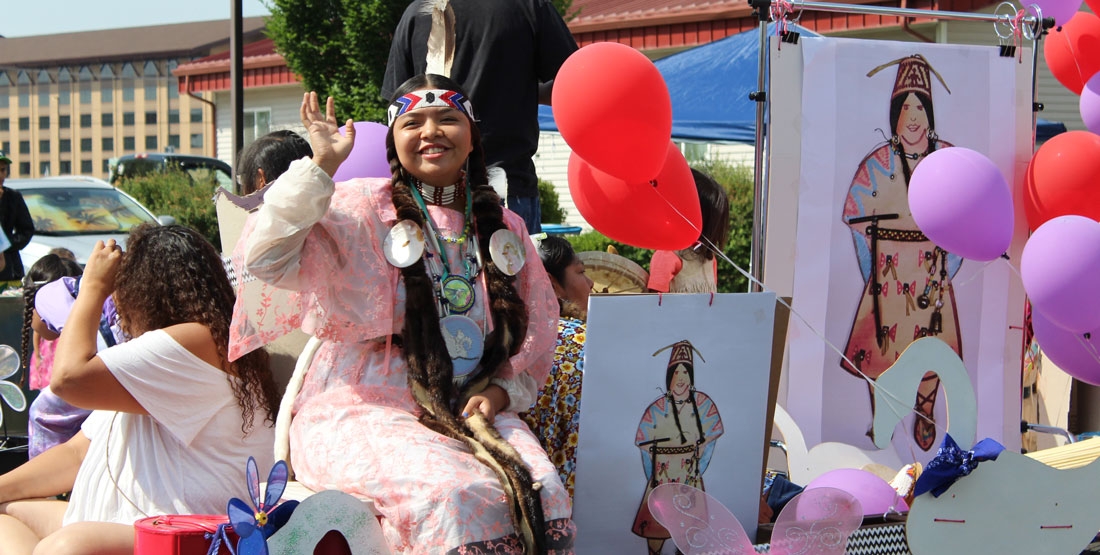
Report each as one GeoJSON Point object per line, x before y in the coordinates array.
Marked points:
{"type": "Point", "coordinates": [47, 17]}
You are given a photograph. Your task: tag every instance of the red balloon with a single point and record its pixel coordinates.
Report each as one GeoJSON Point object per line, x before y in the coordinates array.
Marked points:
{"type": "Point", "coordinates": [1063, 179]}
{"type": "Point", "coordinates": [612, 107]}
{"type": "Point", "coordinates": [1094, 5]}
{"type": "Point", "coordinates": [664, 215]}
{"type": "Point", "coordinates": [1072, 52]}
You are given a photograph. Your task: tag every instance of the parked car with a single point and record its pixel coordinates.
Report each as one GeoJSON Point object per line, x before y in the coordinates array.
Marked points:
{"type": "Point", "coordinates": [74, 212]}
{"type": "Point", "coordinates": [200, 168]}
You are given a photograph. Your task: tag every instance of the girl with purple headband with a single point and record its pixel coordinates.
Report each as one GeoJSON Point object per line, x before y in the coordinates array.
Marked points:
{"type": "Point", "coordinates": [436, 333]}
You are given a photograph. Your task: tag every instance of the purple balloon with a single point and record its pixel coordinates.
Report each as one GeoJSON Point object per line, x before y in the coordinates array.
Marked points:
{"type": "Point", "coordinates": [875, 495]}
{"type": "Point", "coordinates": [1061, 10]}
{"type": "Point", "coordinates": [1090, 104]}
{"type": "Point", "coordinates": [1059, 268]}
{"type": "Point", "coordinates": [961, 202]}
{"type": "Point", "coordinates": [368, 156]}
{"type": "Point", "coordinates": [1075, 354]}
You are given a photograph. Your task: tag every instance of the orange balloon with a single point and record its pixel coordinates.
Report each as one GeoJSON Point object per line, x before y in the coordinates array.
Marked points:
{"type": "Point", "coordinates": [1072, 52]}
{"type": "Point", "coordinates": [1063, 179]}
{"type": "Point", "coordinates": [663, 214]}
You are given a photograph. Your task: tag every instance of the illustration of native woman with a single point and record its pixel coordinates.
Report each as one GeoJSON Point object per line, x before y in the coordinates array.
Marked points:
{"type": "Point", "coordinates": [676, 437]}
{"type": "Point", "coordinates": [907, 291]}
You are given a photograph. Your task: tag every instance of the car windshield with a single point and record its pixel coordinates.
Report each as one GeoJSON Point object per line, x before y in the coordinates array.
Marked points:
{"type": "Point", "coordinates": [83, 211]}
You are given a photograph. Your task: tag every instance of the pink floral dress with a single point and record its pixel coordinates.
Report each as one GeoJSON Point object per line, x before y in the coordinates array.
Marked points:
{"type": "Point", "coordinates": [355, 426]}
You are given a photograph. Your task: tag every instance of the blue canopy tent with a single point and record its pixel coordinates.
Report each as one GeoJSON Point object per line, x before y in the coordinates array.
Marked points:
{"type": "Point", "coordinates": [710, 84]}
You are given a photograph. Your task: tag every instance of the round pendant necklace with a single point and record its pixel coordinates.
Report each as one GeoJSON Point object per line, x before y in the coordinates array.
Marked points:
{"type": "Point", "coordinates": [456, 291]}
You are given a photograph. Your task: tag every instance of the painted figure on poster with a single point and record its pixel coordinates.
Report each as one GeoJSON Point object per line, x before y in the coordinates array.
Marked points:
{"type": "Point", "coordinates": [676, 437]}
{"type": "Point", "coordinates": [907, 290]}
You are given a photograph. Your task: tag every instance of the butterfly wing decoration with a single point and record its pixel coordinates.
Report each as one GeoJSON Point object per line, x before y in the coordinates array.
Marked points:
{"type": "Point", "coordinates": [816, 522]}
{"type": "Point", "coordinates": [252, 475]}
{"type": "Point", "coordinates": [698, 522]}
{"type": "Point", "coordinates": [9, 392]}
{"type": "Point", "coordinates": [276, 484]}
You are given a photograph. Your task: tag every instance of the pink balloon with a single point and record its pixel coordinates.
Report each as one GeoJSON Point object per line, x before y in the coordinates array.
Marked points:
{"type": "Point", "coordinates": [873, 493]}
{"type": "Point", "coordinates": [961, 201]}
{"type": "Point", "coordinates": [1061, 10]}
{"type": "Point", "coordinates": [1059, 268]}
{"type": "Point", "coordinates": [368, 156]}
{"type": "Point", "coordinates": [1075, 354]}
{"type": "Point", "coordinates": [1090, 104]}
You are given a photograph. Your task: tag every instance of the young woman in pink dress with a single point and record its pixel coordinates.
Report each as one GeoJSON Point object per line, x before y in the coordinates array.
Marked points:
{"type": "Point", "coordinates": [430, 345]}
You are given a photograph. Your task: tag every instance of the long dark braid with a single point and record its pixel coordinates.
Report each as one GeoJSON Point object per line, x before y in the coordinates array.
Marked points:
{"type": "Point", "coordinates": [47, 269]}
{"type": "Point", "coordinates": [431, 371]}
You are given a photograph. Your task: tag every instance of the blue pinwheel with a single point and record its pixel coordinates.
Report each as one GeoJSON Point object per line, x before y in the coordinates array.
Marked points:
{"type": "Point", "coordinates": [254, 527]}
{"type": "Point", "coordinates": [9, 392]}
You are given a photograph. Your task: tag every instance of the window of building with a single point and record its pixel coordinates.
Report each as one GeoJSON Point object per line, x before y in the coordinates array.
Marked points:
{"type": "Point", "coordinates": [4, 97]}
{"type": "Point", "coordinates": [106, 91]}
{"type": "Point", "coordinates": [108, 144]}
{"type": "Point", "coordinates": [173, 116]}
{"type": "Point", "coordinates": [196, 140]}
{"type": "Point", "coordinates": [43, 95]}
{"type": "Point", "coordinates": [43, 122]}
{"type": "Point", "coordinates": [128, 92]}
{"type": "Point", "coordinates": [24, 123]}
{"type": "Point", "coordinates": [85, 120]}
{"type": "Point", "coordinates": [150, 117]}
{"type": "Point", "coordinates": [86, 145]}
{"type": "Point", "coordinates": [257, 123]}
{"type": "Point", "coordinates": [173, 88]}
{"type": "Point", "coordinates": [150, 142]}
{"type": "Point", "coordinates": [24, 98]}
{"type": "Point", "coordinates": [43, 168]}
{"type": "Point", "coordinates": [150, 91]}
{"type": "Point", "coordinates": [6, 147]}
{"type": "Point", "coordinates": [174, 141]}
{"type": "Point", "coordinates": [127, 143]}
{"type": "Point", "coordinates": [107, 120]}
{"type": "Point", "coordinates": [65, 145]}
{"type": "Point", "coordinates": [24, 147]}
{"type": "Point", "coordinates": [127, 118]}
{"type": "Point", "coordinates": [4, 124]}
{"type": "Point", "coordinates": [85, 93]}
{"type": "Point", "coordinates": [24, 169]}
{"type": "Point", "coordinates": [65, 167]}
{"type": "Point", "coordinates": [64, 94]}
{"type": "Point", "coordinates": [196, 115]}
{"type": "Point", "coordinates": [106, 166]}
{"type": "Point", "coordinates": [44, 146]}
{"type": "Point", "coordinates": [85, 167]}
{"type": "Point", "coordinates": [64, 122]}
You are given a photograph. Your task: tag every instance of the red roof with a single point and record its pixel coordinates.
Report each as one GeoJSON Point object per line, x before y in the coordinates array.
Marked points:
{"type": "Point", "coordinates": [263, 67]}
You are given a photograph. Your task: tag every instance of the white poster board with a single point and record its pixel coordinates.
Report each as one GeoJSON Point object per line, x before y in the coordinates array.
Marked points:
{"type": "Point", "coordinates": [624, 403]}
{"type": "Point", "coordinates": [842, 122]}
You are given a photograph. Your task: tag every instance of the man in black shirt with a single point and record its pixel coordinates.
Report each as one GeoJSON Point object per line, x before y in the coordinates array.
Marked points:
{"type": "Point", "coordinates": [16, 222]}
{"type": "Point", "coordinates": [504, 49]}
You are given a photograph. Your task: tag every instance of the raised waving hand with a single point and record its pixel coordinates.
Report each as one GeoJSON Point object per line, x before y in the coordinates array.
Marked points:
{"type": "Point", "coordinates": [330, 148]}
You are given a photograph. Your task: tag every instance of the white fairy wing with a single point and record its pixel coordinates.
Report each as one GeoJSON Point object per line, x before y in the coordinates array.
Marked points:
{"type": "Point", "coordinates": [816, 522]}
{"type": "Point", "coordinates": [698, 522]}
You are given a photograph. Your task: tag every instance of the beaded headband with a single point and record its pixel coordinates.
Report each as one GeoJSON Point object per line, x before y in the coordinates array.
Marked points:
{"type": "Point", "coordinates": [429, 99]}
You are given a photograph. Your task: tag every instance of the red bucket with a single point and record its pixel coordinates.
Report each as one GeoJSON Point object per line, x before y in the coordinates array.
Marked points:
{"type": "Point", "coordinates": [179, 534]}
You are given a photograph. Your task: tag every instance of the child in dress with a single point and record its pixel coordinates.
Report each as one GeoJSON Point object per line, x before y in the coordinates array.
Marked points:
{"type": "Point", "coordinates": [174, 421]}
{"type": "Point", "coordinates": [695, 269]}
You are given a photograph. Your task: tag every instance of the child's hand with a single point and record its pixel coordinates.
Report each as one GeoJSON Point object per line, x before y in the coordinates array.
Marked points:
{"type": "Point", "coordinates": [102, 269]}
{"type": "Point", "coordinates": [488, 402]}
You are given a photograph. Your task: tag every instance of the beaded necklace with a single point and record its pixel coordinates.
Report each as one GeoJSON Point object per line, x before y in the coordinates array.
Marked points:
{"type": "Point", "coordinates": [439, 195]}
{"type": "Point", "coordinates": [455, 293]}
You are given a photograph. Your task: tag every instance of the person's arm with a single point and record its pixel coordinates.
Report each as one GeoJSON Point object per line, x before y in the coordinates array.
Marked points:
{"type": "Point", "coordinates": [546, 91]}
{"type": "Point", "coordinates": [23, 225]}
{"type": "Point", "coordinates": [80, 378]}
{"type": "Point", "coordinates": [51, 473]}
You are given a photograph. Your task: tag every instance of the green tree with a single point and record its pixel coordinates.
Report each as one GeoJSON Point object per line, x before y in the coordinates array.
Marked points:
{"type": "Point", "coordinates": [552, 212]}
{"type": "Point", "coordinates": [174, 193]}
{"type": "Point", "coordinates": [339, 48]}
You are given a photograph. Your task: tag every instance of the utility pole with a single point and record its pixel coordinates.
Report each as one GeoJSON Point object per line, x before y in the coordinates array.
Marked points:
{"type": "Point", "coordinates": [236, 76]}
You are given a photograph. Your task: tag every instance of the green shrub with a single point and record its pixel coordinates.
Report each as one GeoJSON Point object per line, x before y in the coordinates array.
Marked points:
{"type": "Point", "coordinates": [738, 181]}
{"type": "Point", "coordinates": [174, 193]}
{"type": "Point", "coordinates": [552, 212]}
